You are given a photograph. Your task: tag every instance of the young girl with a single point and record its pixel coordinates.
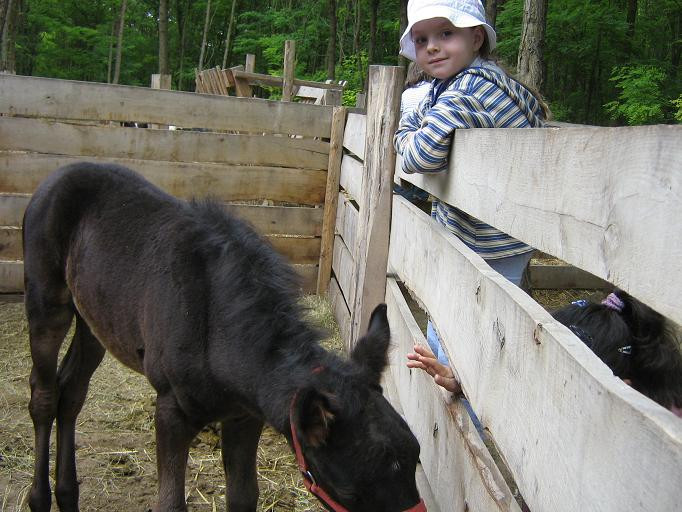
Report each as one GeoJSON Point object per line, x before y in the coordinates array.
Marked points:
{"type": "Point", "coordinates": [451, 41]}
{"type": "Point", "coordinates": [638, 344]}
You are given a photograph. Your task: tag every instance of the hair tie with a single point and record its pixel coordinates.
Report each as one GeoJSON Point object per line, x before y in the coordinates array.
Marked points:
{"type": "Point", "coordinates": [613, 301]}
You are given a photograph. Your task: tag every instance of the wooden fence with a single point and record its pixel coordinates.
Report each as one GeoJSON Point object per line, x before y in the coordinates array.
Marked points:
{"type": "Point", "coordinates": [247, 151]}
{"type": "Point", "coordinates": [573, 436]}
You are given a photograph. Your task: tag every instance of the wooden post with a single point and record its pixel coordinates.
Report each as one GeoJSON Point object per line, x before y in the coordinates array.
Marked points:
{"type": "Point", "coordinates": [160, 82]}
{"type": "Point", "coordinates": [241, 86]}
{"type": "Point", "coordinates": [289, 66]}
{"type": "Point", "coordinates": [250, 65]}
{"type": "Point", "coordinates": [331, 199]}
{"type": "Point", "coordinates": [371, 251]}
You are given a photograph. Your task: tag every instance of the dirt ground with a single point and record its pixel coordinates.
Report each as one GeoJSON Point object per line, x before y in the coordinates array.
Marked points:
{"type": "Point", "coordinates": [115, 438]}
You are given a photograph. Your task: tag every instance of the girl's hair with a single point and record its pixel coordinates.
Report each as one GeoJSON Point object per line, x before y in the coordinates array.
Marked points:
{"type": "Point", "coordinates": [632, 339]}
{"type": "Point", "coordinates": [415, 74]}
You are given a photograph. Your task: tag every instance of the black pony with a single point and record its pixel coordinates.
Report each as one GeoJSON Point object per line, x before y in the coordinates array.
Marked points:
{"type": "Point", "coordinates": [195, 300]}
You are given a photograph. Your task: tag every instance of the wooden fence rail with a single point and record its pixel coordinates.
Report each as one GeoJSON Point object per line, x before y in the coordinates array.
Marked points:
{"type": "Point", "coordinates": [237, 150]}
{"type": "Point", "coordinates": [574, 437]}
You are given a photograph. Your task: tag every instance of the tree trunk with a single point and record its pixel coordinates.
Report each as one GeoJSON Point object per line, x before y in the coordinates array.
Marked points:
{"type": "Point", "coordinates": [373, 12]}
{"type": "Point", "coordinates": [7, 63]}
{"type": "Point", "coordinates": [331, 44]}
{"type": "Point", "coordinates": [111, 49]}
{"type": "Point", "coordinates": [163, 37]}
{"type": "Point", "coordinates": [203, 39]}
{"type": "Point", "coordinates": [403, 25]}
{"type": "Point", "coordinates": [356, 42]}
{"type": "Point", "coordinates": [3, 16]}
{"type": "Point", "coordinates": [530, 65]}
{"type": "Point", "coordinates": [491, 11]}
{"type": "Point", "coordinates": [182, 24]}
{"type": "Point", "coordinates": [228, 39]}
{"type": "Point", "coordinates": [119, 44]}
{"type": "Point", "coordinates": [631, 16]}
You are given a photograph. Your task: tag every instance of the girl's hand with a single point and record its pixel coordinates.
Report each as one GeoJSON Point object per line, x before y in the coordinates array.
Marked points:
{"type": "Point", "coordinates": [423, 358]}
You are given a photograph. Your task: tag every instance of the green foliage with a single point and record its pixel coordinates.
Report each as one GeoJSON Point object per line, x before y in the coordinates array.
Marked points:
{"type": "Point", "coordinates": [599, 71]}
{"type": "Point", "coordinates": [677, 103]}
{"type": "Point", "coordinates": [586, 41]}
{"type": "Point", "coordinates": [640, 100]}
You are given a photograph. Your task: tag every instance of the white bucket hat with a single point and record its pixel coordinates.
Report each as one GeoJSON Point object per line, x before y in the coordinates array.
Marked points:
{"type": "Point", "coordinates": [461, 13]}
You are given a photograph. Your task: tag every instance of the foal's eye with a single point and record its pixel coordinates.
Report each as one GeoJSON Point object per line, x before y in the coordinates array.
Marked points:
{"type": "Point", "coordinates": [395, 466]}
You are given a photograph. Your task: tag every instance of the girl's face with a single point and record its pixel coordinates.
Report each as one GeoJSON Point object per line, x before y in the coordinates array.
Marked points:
{"type": "Point", "coordinates": [444, 50]}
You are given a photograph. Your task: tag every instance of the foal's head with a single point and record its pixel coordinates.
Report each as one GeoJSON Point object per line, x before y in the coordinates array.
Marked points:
{"type": "Point", "coordinates": [355, 446]}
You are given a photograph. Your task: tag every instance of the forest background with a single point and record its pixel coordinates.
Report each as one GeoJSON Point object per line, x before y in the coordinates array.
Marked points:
{"type": "Point", "coordinates": [605, 62]}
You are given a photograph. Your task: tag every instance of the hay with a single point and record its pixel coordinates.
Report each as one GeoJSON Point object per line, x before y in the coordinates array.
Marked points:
{"type": "Point", "coordinates": [115, 447]}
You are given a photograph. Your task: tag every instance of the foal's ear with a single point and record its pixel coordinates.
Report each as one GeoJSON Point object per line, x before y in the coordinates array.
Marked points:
{"type": "Point", "coordinates": [313, 416]}
{"type": "Point", "coordinates": [371, 351]}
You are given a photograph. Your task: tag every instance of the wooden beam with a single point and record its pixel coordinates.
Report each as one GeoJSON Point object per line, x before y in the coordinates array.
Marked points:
{"type": "Point", "coordinates": [22, 172]}
{"type": "Point", "coordinates": [564, 277]}
{"type": "Point", "coordinates": [557, 414]}
{"type": "Point", "coordinates": [460, 470]}
{"type": "Point", "coordinates": [371, 251]}
{"type": "Point", "coordinates": [340, 309]}
{"type": "Point", "coordinates": [52, 98]}
{"type": "Point", "coordinates": [352, 173]}
{"type": "Point", "coordinates": [606, 200]}
{"type": "Point", "coordinates": [38, 135]}
{"type": "Point", "coordinates": [331, 199]}
{"type": "Point", "coordinates": [354, 136]}
{"type": "Point", "coordinates": [346, 220]}
{"type": "Point", "coordinates": [289, 69]}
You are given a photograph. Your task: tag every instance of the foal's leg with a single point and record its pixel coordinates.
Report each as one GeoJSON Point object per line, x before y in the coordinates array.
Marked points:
{"type": "Point", "coordinates": [174, 433]}
{"type": "Point", "coordinates": [239, 443]}
{"type": "Point", "coordinates": [48, 323]}
{"type": "Point", "coordinates": [82, 359]}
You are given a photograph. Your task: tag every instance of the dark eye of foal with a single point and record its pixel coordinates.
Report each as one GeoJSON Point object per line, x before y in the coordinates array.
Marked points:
{"type": "Point", "coordinates": [586, 338]}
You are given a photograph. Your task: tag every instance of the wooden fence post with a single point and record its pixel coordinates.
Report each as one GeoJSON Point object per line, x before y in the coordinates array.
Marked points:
{"type": "Point", "coordinates": [371, 251]}
{"type": "Point", "coordinates": [331, 199]}
{"type": "Point", "coordinates": [241, 85]}
{"type": "Point", "coordinates": [160, 82]}
{"type": "Point", "coordinates": [289, 66]}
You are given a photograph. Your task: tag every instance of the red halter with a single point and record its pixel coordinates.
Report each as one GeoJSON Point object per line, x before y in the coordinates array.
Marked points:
{"type": "Point", "coordinates": [309, 479]}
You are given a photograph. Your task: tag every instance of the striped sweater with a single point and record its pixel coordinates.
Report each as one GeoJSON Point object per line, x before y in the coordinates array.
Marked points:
{"type": "Point", "coordinates": [481, 96]}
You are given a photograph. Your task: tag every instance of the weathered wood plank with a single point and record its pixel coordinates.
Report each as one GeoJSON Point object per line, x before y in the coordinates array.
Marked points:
{"type": "Point", "coordinates": [267, 220]}
{"type": "Point", "coordinates": [10, 243]}
{"type": "Point", "coordinates": [371, 250]}
{"type": "Point", "coordinates": [41, 136]}
{"type": "Point", "coordinates": [606, 200]}
{"type": "Point", "coordinates": [340, 309]}
{"type": "Point", "coordinates": [344, 269]}
{"type": "Point", "coordinates": [331, 199]}
{"type": "Point", "coordinates": [459, 468]}
{"type": "Point", "coordinates": [564, 277]}
{"type": "Point", "coordinates": [12, 208]}
{"type": "Point", "coordinates": [352, 171]}
{"type": "Point", "coordinates": [22, 172]}
{"type": "Point", "coordinates": [354, 136]}
{"type": "Point", "coordinates": [280, 220]}
{"type": "Point", "coordinates": [65, 99]}
{"type": "Point", "coordinates": [346, 220]}
{"type": "Point", "coordinates": [11, 276]}
{"type": "Point", "coordinates": [423, 485]}
{"type": "Point", "coordinates": [556, 412]}
{"type": "Point", "coordinates": [295, 249]}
